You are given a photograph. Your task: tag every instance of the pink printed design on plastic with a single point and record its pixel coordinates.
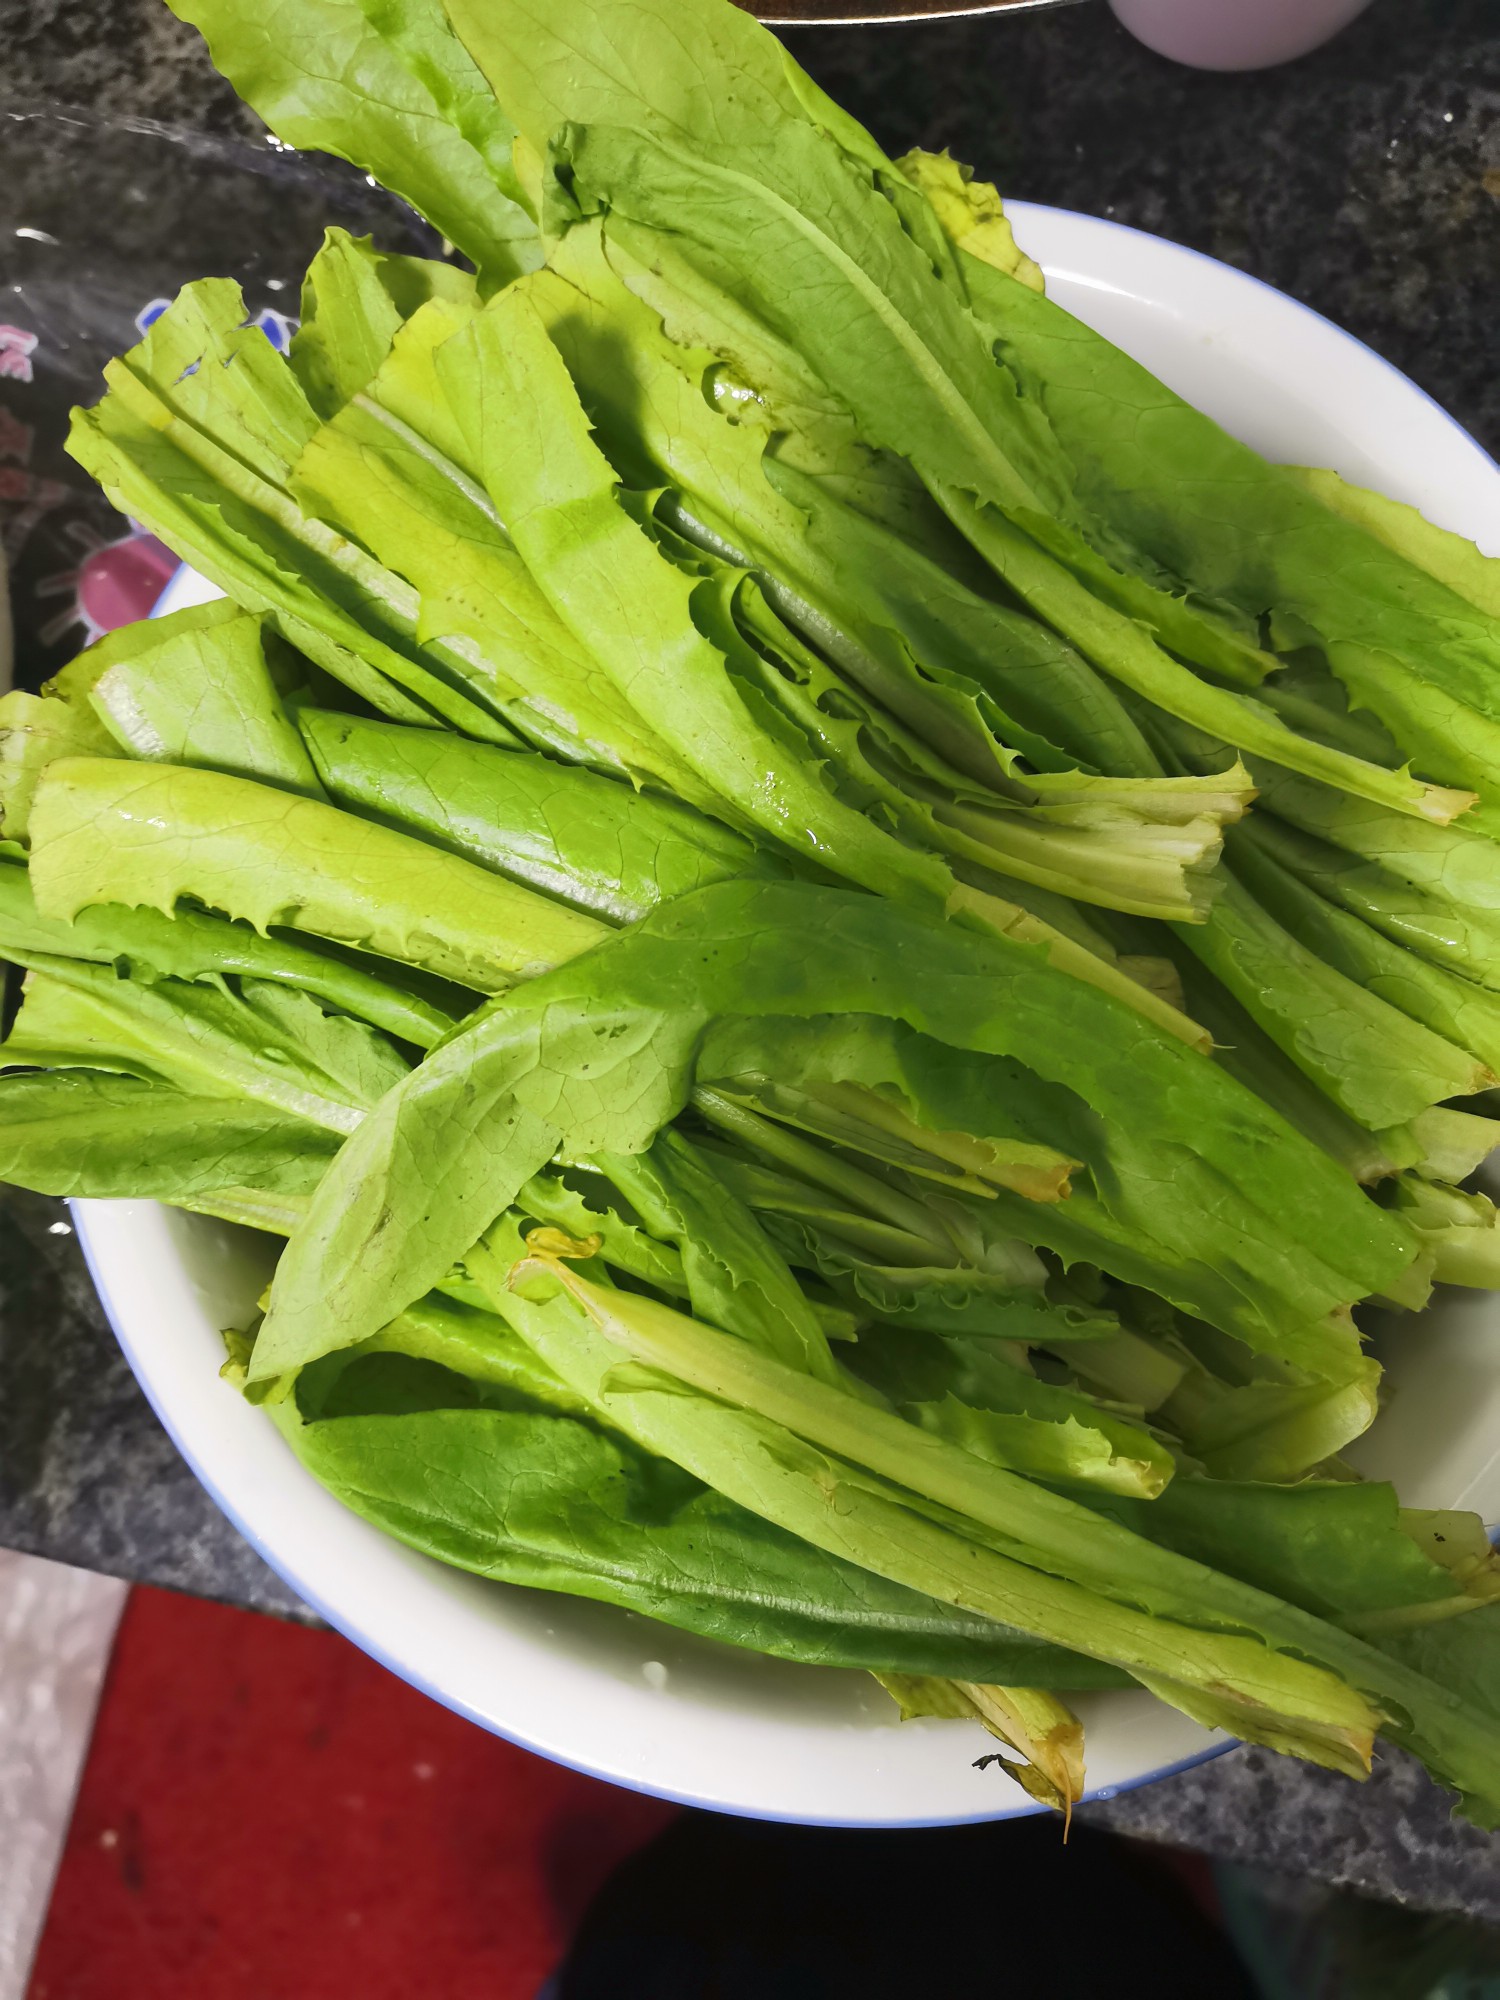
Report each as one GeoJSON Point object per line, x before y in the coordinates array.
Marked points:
{"type": "Point", "coordinates": [16, 349]}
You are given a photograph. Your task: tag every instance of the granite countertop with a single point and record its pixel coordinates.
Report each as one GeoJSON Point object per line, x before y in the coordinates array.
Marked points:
{"type": "Point", "coordinates": [1364, 180]}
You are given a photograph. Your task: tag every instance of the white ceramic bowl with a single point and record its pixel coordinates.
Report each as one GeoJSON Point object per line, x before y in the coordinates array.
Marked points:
{"type": "Point", "coordinates": [633, 1702]}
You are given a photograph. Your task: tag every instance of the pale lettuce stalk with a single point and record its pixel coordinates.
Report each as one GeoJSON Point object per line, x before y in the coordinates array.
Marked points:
{"type": "Point", "coordinates": [1454, 1144]}
{"type": "Point", "coordinates": [1461, 1232]}
{"type": "Point", "coordinates": [1059, 1535]}
{"type": "Point", "coordinates": [761, 1463]}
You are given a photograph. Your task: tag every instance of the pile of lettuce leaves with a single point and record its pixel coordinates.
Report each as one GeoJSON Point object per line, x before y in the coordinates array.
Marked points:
{"type": "Point", "coordinates": [841, 937]}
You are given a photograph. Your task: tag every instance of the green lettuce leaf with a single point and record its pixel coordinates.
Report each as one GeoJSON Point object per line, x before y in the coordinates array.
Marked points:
{"type": "Point", "coordinates": [149, 834]}
{"type": "Point", "coordinates": [355, 300]}
{"type": "Point", "coordinates": [202, 454]}
{"type": "Point", "coordinates": [936, 1298]}
{"type": "Point", "coordinates": [35, 730]}
{"type": "Point", "coordinates": [836, 268]}
{"type": "Point", "coordinates": [194, 688]}
{"type": "Point", "coordinates": [1403, 643]}
{"type": "Point", "coordinates": [1115, 642]}
{"type": "Point", "coordinates": [1067, 1539]}
{"type": "Point", "coordinates": [989, 1405]}
{"type": "Point", "coordinates": [1270, 1430]}
{"type": "Point", "coordinates": [601, 1054]}
{"type": "Point", "coordinates": [972, 215]}
{"type": "Point", "coordinates": [583, 1204]}
{"type": "Point", "coordinates": [555, 1505]}
{"type": "Point", "coordinates": [645, 131]}
{"type": "Point", "coordinates": [1339, 1549]}
{"type": "Point", "coordinates": [1291, 880]}
{"type": "Point", "coordinates": [464, 1356]}
{"type": "Point", "coordinates": [390, 482]}
{"type": "Point", "coordinates": [571, 834]}
{"type": "Point", "coordinates": [633, 608]}
{"type": "Point", "coordinates": [971, 675]}
{"type": "Point", "coordinates": [934, 1269]}
{"type": "Point", "coordinates": [1452, 559]}
{"type": "Point", "coordinates": [1436, 891]}
{"type": "Point", "coordinates": [1375, 1062]}
{"type": "Point", "coordinates": [146, 944]}
{"type": "Point", "coordinates": [204, 366]}
{"type": "Point", "coordinates": [743, 1433]}
{"type": "Point", "coordinates": [1458, 1653]}
{"type": "Point", "coordinates": [1251, 1056]}
{"type": "Point", "coordinates": [377, 84]}
{"type": "Point", "coordinates": [1454, 1144]}
{"type": "Point", "coordinates": [645, 621]}
{"type": "Point", "coordinates": [1120, 1219]}
{"type": "Point", "coordinates": [265, 1042]}
{"type": "Point", "coordinates": [763, 1464]}
{"type": "Point", "coordinates": [238, 549]}
{"type": "Point", "coordinates": [80, 1132]}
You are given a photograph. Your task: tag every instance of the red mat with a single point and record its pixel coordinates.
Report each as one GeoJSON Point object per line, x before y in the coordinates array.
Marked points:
{"type": "Point", "coordinates": [267, 1815]}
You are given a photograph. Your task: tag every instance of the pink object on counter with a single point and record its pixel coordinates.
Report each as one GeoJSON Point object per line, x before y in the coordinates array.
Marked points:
{"type": "Point", "coordinates": [1235, 34]}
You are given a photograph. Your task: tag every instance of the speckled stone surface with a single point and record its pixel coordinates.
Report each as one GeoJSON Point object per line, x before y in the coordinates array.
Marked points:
{"type": "Point", "coordinates": [87, 1475]}
{"type": "Point", "coordinates": [123, 58]}
{"type": "Point", "coordinates": [1394, 1836]}
{"type": "Point", "coordinates": [1364, 180]}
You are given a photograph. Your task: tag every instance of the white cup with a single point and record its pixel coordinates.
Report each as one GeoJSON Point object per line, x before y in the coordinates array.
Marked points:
{"type": "Point", "coordinates": [1235, 34]}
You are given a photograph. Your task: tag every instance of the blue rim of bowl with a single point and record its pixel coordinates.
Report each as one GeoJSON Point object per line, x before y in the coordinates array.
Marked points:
{"type": "Point", "coordinates": [285, 1570]}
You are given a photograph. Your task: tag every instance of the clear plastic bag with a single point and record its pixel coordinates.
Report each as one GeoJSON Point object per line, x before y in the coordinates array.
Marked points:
{"type": "Point", "coordinates": [101, 222]}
